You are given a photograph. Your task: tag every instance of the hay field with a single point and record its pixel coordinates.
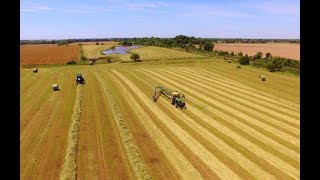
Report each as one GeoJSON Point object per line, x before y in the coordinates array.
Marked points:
{"type": "Point", "coordinates": [155, 53]}
{"type": "Point", "coordinates": [286, 50]}
{"type": "Point", "coordinates": [149, 53]}
{"type": "Point", "coordinates": [48, 54]}
{"type": "Point", "coordinates": [235, 126]}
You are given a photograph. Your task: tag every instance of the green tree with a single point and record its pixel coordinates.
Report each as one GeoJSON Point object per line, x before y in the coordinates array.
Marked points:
{"type": "Point", "coordinates": [268, 55]}
{"type": "Point", "coordinates": [113, 48]}
{"type": "Point", "coordinates": [232, 53]}
{"type": "Point", "coordinates": [83, 58]}
{"type": "Point", "coordinates": [258, 55]}
{"type": "Point", "coordinates": [135, 56]}
{"type": "Point", "coordinates": [208, 46]}
{"type": "Point", "coordinates": [240, 54]}
{"type": "Point", "coordinates": [245, 60]}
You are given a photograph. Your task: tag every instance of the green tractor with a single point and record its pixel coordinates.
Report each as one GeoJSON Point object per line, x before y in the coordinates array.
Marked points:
{"type": "Point", "coordinates": [79, 79]}
{"type": "Point", "coordinates": [177, 99]}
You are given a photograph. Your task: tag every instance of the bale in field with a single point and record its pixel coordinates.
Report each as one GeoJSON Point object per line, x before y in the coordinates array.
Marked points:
{"type": "Point", "coordinates": [229, 61]}
{"type": "Point", "coordinates": [262, 77]}
{"type": "Point", "coordinates": [239, 67]}
{"type": "Point", "coordinates": [91, 63]}
{"type": "Point", "coordinates": [35, 70]}
{"type": "Point", "coordinates": [55, 87]}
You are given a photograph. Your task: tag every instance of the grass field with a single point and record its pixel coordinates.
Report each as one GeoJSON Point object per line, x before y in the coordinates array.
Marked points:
{"type": "Point", "coordinates": [48, 54]}
{"type": "Point", "coordinates": [235, 126]}
{"type": "Point", "coordinates": [285, 50]}
{"type": "Point", "coordinates": [94, 51]}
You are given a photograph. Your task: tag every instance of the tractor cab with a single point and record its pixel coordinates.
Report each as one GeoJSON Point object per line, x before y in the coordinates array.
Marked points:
{"type": "Point", "coordinates": [178, 100]}
{"type": "Point", "coordinates": [79, 79]}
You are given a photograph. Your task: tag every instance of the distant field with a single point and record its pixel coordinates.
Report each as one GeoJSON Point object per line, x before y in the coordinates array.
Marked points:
{"type": "Point", "coordinates": [159, 53]}
{"type": "Point", "coordinates": [48, 54]}
{"type": "Point", "coordinates": [94, 43]}
{"type": "Point", "coordinates": [94, 51]}
{"type": "Point", "coordinates": [286, 50]}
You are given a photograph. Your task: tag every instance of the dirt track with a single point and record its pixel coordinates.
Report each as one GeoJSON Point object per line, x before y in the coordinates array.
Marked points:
{"type": "Point", "coordinates": [234, 127]}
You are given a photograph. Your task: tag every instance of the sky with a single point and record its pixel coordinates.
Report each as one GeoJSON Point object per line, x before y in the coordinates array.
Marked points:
{"type": "Point", "coordinates": [73, 19]}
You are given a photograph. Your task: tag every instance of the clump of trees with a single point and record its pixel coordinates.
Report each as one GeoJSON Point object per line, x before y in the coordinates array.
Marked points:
{"type": "Point", "coordinates": [125, 43]}
{"type": "Point", "coordinates": [71, 62]}
{"type": "Point", "coordinates": [245, 60]}
{"type": "Point", "coordinates": [258, 55]}
{"type": "Point", "coordinates": [180, 41]}
{"type": "Point", "coordinates": [135, 57]}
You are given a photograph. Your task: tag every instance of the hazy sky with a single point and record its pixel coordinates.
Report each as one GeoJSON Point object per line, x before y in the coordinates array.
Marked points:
{"type": "Point", "coordinates": [63, 19]}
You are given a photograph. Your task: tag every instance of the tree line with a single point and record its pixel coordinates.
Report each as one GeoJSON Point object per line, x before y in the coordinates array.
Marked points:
{"type": "Point", "coordinates": [180, 41]}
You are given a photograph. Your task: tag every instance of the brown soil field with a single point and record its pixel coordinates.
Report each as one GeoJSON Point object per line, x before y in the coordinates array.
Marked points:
{"type": "Point", "coordinates": [48, 54]}
{"type": "Point", "coordinates": [234, 127]}
{"type": "Point", "coordinates": [112, 43]}
{"type": "Point", "coordinates": [286, 50]}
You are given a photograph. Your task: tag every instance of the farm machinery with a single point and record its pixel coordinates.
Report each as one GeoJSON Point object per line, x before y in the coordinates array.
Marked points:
{"type": "Point", "coordinates": [177, 98]}
{"type": "Point", "coordinates": [79, 79]}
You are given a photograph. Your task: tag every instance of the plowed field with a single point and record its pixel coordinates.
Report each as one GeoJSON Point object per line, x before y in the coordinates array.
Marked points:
{"type": "Point", "coordinates": [286, 50]}
{"type": "Point", "coordinates": [48, 54]}
{"type": "Point", "coordinates": [234, 127]}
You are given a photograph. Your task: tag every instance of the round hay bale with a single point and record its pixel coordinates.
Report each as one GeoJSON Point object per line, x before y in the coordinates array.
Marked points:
{"type": "Point", "coordinates": [262, 77]}
{"type": "Point", "coordinates": [55, 87]}
{"type": "Point", "coordinates": [229, 61]}
{"type": "Point", "coordinates": [35, 70]}
{"type": "Point", "coordinates": [239, 67]}
{"type": "Point", "coordinates": [91, 63]}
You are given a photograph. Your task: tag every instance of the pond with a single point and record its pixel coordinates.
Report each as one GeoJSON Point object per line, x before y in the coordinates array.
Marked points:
{"type": "Point", "coordinates": [119, 50]}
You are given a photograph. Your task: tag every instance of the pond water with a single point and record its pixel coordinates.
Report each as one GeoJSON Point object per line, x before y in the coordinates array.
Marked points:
{"type": "Point", "coordinates": [120, 50]}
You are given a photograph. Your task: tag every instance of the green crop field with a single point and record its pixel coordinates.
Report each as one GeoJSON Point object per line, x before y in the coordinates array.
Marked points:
{"type": "Point", "coordinates": [235, 126]}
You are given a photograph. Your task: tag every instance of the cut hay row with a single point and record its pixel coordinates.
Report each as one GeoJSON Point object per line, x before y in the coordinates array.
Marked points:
{"type": "Point", "coordinates": [209, 159]}
{"type": "Point", "coordinates": [40, 145]}
{"type": "Point", "coordinates": [38, 113]}
{"type": "Point", "coordinates": [179, 162]}
{"type": "Point", "coordinates": [225, 150]}
{"type": "Point", "coordinates": [32, 99]}
{"type": "Point", "coordinates": [69, 167]}
{"type": "Point", "coordinates": [237, 102]}
{"type": "Point", "coordinates": [244, 88]}
{"type": "Point", "coordinates": [254, 85]}
{"type": "Point", "coordinates": [239, 92]}
{"type": "Point", "coordinates": [100, 154]}
{"type": "Point", "coordinates": [270, 158]}
{"type": "Point", "coordinates": [126, 136]}
{"type": "Point", "coordinates": [230, 109]}
{"type": "Point", "coordinates": [263, 138]}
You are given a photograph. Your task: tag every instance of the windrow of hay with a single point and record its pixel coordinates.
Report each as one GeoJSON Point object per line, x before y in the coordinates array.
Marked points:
{"type": "Point", "coordinates": [207, 157]}
{"type": "Point", "coordinates": [125, 135]}
{"type": "Point", "coordinates": [245, 163]}
{"type": "Point", "coordinates": [176, 158]}
{"type": "Point", "coordinates": [69, 167]}
{"type": "Point", "coordinates": [277, 163]}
